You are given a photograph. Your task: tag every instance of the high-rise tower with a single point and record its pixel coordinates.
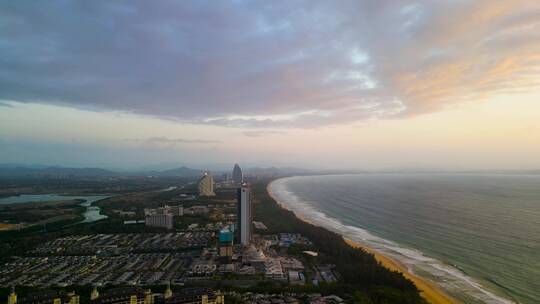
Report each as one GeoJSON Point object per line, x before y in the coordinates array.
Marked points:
{"type": "Point", "coordinates": [237, 175]}
{"type": "Point", "coordinates": [245, 215]}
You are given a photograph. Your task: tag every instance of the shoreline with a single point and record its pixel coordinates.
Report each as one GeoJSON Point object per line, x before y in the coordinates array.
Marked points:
{"type": "Point", "coordinates": [432, 293]}
{"type": "Point", "coordinates": [428, 289]}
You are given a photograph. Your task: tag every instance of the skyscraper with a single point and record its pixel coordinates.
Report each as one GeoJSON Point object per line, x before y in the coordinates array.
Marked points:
{"type": "Point", "coordinates": [237, 176]}
{"type": "Point", "coordinates": [206, 185]}
{"type": "Point", "coordinates": [245, 215]}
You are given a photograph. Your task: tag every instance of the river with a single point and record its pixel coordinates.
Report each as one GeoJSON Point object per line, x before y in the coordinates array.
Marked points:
{"type": "Point", "coordinates": [91, 214]}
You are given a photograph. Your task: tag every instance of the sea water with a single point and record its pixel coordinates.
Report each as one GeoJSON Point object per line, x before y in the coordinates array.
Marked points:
{"type": "Point", "coordinates": [476, 236]}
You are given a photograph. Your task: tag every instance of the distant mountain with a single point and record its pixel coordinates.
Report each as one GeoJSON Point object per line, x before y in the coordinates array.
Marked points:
{"type": "Point", "coordinates": [35, 171]}
{"type": "Point", "coordinates": [182, 172]}
{"type": "Point", "coordinates": [162, 166]}
{"type": "Point", "coordinates": [53, 172]}
{"type": "Point", "coordinates": [17, 165]}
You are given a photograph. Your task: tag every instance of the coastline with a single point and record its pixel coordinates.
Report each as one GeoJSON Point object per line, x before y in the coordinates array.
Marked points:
{"type": "Point", "coordinates": [428, 290]}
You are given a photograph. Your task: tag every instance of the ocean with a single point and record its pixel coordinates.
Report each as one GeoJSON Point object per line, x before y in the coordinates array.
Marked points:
{"type": "Point", "coordinates": [476, 236]}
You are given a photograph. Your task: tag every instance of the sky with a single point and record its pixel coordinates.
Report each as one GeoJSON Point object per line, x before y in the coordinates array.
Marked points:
{"type": "Point", "coordinates": [450, 85]}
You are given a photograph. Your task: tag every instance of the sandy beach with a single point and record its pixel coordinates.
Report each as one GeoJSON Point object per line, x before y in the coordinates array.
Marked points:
{"type": "Point", "coordinates": [430, 291]}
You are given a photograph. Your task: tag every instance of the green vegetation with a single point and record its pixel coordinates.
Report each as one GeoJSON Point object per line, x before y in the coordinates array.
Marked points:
{"type": "Point", "coordinates": [182, 222]}
{"type": "Point", "coordinates": [361, 274]}
{"type": "Point", "coordinates": [40, 212]}
{"type": "Point", "coordinates": [78, 185]}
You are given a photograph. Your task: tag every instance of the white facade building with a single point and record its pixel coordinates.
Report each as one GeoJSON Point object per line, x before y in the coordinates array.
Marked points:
{"type": "Point", "coordinates": [245, 216]}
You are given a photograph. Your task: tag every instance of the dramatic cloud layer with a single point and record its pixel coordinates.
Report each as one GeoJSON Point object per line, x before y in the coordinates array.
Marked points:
{"type": "Point", "coordinates": [267, 63]}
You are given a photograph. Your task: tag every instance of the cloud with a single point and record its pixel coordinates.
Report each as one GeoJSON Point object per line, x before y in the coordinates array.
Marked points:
{"type": "Point", "coordinates": [173, 141]}
{"type": "Point", "coordinates": [259, 133]}
{"type": "Point", "coordinates": [261, 64]}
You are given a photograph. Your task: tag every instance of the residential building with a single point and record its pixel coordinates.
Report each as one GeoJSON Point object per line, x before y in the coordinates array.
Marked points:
{"type": "Point", "coordinates": [173, 210]}
{"type": "Point", "coordinates": [273, 269]}
{"type": "Point", "coordinates": [194, 210]}
{"type": "Point", "coordinates": [177, 210]}
{"type": "Point", "coordinates": [225, 245]}
{"type": "Point", "coordinates": [53, 297]}
{"type": "Point", "coordinates": [206, 185]}
{"type": "Point", "coordinates": [160, 220]}
{"type": "Point", "coordinates": [196, 296]}
{"type": "Point", "coordinates": [124, 295]}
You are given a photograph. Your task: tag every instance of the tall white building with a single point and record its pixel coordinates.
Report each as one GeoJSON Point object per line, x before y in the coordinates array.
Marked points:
{"type": "Point", "coordinates": [245, 215]}
{"type": "Point", "coordinates": [206, 185]}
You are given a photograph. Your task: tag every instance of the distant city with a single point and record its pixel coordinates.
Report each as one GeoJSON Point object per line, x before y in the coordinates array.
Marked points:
{"type": "Point", "coordinates": [181, 235]}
